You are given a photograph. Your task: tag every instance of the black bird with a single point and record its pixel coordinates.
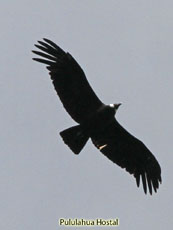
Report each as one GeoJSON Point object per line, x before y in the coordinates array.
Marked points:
{"type": "Point", "coordinates": [95, 119]}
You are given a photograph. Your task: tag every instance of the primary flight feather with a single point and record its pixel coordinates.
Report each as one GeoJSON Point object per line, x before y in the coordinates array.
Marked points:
{"type": "Point", "coordinates": [95, 119]}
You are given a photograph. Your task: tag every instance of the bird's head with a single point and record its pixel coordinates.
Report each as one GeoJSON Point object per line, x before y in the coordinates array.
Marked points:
{"type": "Point", "coordinates": [115, 106]}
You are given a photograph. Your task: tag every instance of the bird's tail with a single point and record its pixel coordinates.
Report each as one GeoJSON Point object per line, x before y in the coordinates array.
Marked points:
{"type": "Point", "coordinates": [75, 138]}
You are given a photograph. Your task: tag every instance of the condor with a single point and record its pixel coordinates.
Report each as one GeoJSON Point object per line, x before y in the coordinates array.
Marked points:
{"type": "Point", "coordinates": [95, 119]}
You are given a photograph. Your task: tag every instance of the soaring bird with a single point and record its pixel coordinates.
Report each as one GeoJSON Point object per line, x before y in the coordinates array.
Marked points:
{"type": "Point", "coordinates": [95, 119]}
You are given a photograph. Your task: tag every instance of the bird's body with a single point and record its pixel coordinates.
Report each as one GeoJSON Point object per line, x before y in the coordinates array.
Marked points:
{"type": "Point", "coordinates": [96, 122]}
{"type": "Point", "coordinates": [95, 119]}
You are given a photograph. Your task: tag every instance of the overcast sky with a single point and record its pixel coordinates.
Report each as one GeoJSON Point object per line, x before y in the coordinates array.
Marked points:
{"type": "Point", "coordinates": [126, 50]}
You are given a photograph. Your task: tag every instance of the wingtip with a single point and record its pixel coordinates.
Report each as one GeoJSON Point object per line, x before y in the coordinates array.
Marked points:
{"type": "Point", "coordinates": [138, 180]}
{"type": "Point", "coordinates": [46, 39]}
{"type": "Point", "coordinates": [160, 179]}
{"type": "Point", "coordinates": [41, 42]}
{"type": "Point", "coordinates": [37, 46]}
{"type": "Point", "coordinates": [33, 51]}
{"type": "Point", "coordinates": [38, 60]}
{"type": "Point", "coordinates": [150, 191]}
{"type": "Point", "coordinates": [144, 183]}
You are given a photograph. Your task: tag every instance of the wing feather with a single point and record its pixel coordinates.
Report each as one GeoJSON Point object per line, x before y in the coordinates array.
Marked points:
{"type": "Point", "coordinates": [69, 81]}
{"type": "Point", "coordinates": [130, 153]}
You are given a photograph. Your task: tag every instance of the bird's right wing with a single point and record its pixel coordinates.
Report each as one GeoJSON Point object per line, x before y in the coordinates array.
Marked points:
{"type": "Point", "coordinates": [130, 153]}
{"type": "Point", "coordinates": [69, 81]}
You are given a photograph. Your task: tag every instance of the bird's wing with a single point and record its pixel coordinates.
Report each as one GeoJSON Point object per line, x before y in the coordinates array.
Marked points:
{"type": "Point", "coordinates": [69, 81]}
{"type": "Point", "coordinates": [130, 153]}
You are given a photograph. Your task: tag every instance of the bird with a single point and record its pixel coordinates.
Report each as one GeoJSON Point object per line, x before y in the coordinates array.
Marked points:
{"type": "Point", "coordinates": [96, 120]}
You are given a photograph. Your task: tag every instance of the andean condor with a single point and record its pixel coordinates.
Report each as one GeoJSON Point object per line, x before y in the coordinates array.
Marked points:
{"type": "Point", "coordinates": [95, 119]}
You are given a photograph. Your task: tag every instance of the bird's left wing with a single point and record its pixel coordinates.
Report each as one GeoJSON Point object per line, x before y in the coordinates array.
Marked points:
{"type": "Point", "coordinates": [69, 80]}
{"type": "Point", "coordinates": [130, 153]}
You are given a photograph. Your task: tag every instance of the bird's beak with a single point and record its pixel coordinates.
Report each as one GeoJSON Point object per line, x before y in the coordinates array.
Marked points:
{"type": "Point", "coordinates": [117, 105]}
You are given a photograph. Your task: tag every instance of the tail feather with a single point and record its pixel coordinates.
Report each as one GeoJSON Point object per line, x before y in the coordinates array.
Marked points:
{"type": "Point", "coordinates": [75, 138]}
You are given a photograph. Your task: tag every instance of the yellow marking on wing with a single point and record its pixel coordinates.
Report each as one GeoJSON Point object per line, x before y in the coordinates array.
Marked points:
{"type": "Point", "coordinates": [103, 146]}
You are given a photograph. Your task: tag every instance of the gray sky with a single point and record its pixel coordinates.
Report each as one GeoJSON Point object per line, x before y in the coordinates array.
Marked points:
{"type": "Point", "coordinates": [126, 50]}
